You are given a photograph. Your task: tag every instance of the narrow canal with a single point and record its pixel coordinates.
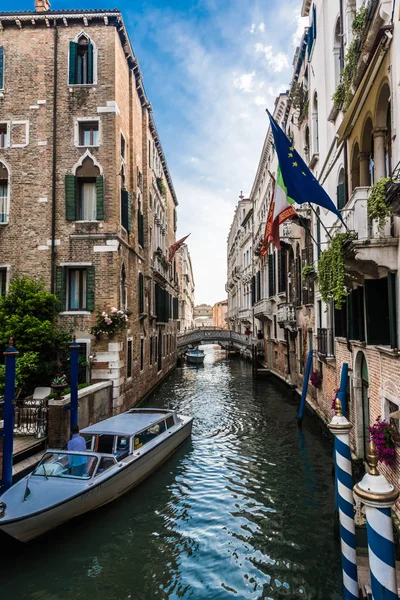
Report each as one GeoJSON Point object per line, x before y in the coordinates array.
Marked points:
{"type": "Point", "coordinates": [243, 510]}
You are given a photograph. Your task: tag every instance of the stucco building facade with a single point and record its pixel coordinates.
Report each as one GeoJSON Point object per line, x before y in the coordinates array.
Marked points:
{"type": "Point", "coordinates": [220, 310]}
{"type": "Point", "coordinates": [186, 288]}
{"type": "Point", "coordinates": [85, 189]}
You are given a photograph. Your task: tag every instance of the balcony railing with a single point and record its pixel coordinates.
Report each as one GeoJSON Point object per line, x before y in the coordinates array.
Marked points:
{"type": "Point", "coordinates": [263, 309]}
{"type": "Point", "coordinates": [246, 315]}
{"type": "Point", "coordinates": [356, 218]}
{"type": "Point", "coordinates": [160, 266]}
{"type": "Point", "coordinates": [325, 342]}
{"type": "Point", "coordinates": [286, 314]}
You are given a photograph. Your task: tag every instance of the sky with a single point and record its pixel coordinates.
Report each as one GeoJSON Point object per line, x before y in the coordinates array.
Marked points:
{"type": "Point", "coordinates": [210, 69]}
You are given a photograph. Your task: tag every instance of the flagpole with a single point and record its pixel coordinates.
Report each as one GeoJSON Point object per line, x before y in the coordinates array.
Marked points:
{"type": "Point", "coordinates": [302, 221]}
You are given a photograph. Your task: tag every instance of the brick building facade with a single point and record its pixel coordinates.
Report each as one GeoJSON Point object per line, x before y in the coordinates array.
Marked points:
{"type": "Point", "coordinates": [86, 198]}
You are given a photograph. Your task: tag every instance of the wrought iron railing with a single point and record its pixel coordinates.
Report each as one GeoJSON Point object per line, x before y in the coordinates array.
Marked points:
{"type": "Point", "coordinates": [325, 342]}
{"type": "Point", "coordinates": [31, 418]}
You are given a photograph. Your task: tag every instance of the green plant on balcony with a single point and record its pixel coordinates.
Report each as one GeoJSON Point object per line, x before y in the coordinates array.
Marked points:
{"type": "Point", "coordinates": [344, 92]}
{"type": "Point", "coordinates": [109, 323]}
{"type": "Point", "coordinates": [332, 270]}
{"type": "Point", "coordinates": [161, 187]}
{"type": "Point", "coordinates": [377, 207]}
{"type": "Point", "coordinates": [308, 272]}
{"type": "Point", "coordinates": [299, 100]}
{"type": "Point", "coordinates": [161, 257]}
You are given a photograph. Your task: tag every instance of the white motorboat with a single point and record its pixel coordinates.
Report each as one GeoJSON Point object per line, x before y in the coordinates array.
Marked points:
{"type": "Point", "coordinates": [196, 357]}
{"type": "Point", "coordinates": [121, 452]}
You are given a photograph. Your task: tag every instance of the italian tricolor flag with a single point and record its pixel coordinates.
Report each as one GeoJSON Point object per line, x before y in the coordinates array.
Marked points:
{"type": "Point", "coordinates": [280, 210]}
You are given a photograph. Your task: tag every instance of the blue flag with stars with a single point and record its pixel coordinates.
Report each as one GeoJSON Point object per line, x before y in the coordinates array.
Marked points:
{"type": "Point", "coordinates": [301, 184]}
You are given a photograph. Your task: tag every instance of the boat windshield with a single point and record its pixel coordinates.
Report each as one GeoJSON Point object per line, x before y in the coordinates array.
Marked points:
{"type": "Point", "coordinates": [61, 464]}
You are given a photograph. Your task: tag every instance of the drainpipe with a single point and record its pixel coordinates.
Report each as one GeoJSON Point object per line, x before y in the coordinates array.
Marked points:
{"type": "Point", "coordinates": [53, 177]}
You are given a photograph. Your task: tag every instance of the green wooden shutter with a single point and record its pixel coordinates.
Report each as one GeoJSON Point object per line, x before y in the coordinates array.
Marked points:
{"type": "Point", "coordinates": [1, 67]}
{"type": "Point", "coordinates": [71, 196]}
{"type": "Point", "coordinates": [73, 58]}
{"type": "Point", "coordinates": [129, 212]}
{"type": "Point", "coordinates": [140, 229]}
{"type": "Point", "coordinates": [341, 201]}
{"type": "Point", "coordinates": [61, 276]}
{"type": "Point", "coordinates": [90, 63]}
{"type": "Point", "coordinates": [90, 289]}
{"type": "Point", "coordinates": [126, 210]}
{"type": "Point", "coordinates": [141, 294]}
{"type": "Point", "coordinates": [100, 198]}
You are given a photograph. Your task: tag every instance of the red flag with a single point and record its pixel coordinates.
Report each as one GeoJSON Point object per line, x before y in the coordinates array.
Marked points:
{"type": "Point", "coordinates": [272, 225]}
{"type": "Point", "coordinates": [172, 249]}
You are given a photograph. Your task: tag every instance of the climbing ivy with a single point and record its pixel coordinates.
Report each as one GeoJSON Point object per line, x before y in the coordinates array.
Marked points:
{"type": "Point", "coordinates": [308, 271]}
{"type": "Point", "coordinates": [332, 271]}
{"type": "Point", "coordinates": [344, 92]}
{"type": "Point", "coordinates": [377, 206]}
{"type": "Point", "coordinates": [299, 98]}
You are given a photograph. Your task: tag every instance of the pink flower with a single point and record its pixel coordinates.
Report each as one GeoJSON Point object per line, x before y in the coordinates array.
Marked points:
{"type": "Point", "coordinates": [108, 321]}
{"type": "Point", "coordinates": [114, 310]}
{"type": "Point", "coordinates": [103, 314]}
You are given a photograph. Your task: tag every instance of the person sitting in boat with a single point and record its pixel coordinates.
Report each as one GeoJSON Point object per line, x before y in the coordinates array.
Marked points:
{"type": "Point", "coordinates": [77, 443]}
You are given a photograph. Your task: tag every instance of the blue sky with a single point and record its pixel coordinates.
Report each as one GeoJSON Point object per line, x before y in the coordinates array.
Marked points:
{"type": "Point", "coordinates": [210, 69]}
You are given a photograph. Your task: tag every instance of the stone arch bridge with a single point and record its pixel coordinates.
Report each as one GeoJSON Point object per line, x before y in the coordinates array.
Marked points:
{"type": "Point", "coordinates": [209, 335]}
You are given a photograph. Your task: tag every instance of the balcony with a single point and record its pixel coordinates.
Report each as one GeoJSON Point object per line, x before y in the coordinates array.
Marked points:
{"type": "Point", "coordinates": [246, 315]}
{"type": "Point", "coordinates": [373, 247]}
{"type": "Point", "coordinates": [286, 315]}
{"type": "Point", "coordinates": [232, 314]}
{"type": "Point", "coordinates": [263, 310]}
{"type": "Point", "coordinates": [325, 346]}
{"type": "Point", "coordinates": [160, 266]}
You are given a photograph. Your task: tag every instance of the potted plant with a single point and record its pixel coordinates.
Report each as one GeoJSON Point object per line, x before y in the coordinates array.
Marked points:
{"type": "Point", "coordinates": [384, 437]}
{"type": "Point", "coordinates": [316, 379]}
{"type": "Point", "coordinates": [58, 385]}
{"type": "Point", "coordinates": [109, 323]}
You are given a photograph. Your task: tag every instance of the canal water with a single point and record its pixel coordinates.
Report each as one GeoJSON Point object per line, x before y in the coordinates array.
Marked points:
{"type": "Point", "coordinates": [242, 511]}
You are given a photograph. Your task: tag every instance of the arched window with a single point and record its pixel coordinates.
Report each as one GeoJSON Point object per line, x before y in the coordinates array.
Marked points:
{"type": "Point", "coordinates": [383, 134]}
{"type": "Point", "coordinates": [337, 52]}
{"type": "Point", "coordinates": [81, 61]}
{"type": "Point", "coordinates": [341, 191]}
{"type": "Point", "coordinates": [84, 191]}
{"type": "Point", "coordinates": [307, 143]}
{"type": "Point", "coordinates": [4, 193]}
{"type": "Point", "coordinates": [367, 163]}
{"type": "Point", "coordinates": [315, 125]}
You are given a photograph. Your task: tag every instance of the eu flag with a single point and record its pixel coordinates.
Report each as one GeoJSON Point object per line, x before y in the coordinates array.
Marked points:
{"type": "Point", "coordinates": [301, 184]}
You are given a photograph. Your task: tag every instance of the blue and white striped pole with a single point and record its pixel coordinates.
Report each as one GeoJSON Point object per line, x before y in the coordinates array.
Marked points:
{"type": "Point", "coordinates": [340, 427]}
{"type": "Point", "coordinates": [379, 495]}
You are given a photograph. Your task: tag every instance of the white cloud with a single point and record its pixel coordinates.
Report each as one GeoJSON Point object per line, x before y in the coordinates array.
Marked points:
{"type": "Point", "coordinates": [261, 27]}
{"type": "Point", "coordinates": [277, 62]}
{"type": "Point", "coordinates": [260, 101]}
{"type": "Point", "coordinates": [302, 23]}
{"type": "Point", "coordinates": [194, 160]}
{"type": "Point", "coordinates": [245, 82]}
{"type": "Point", "coordinates": [253, 28]}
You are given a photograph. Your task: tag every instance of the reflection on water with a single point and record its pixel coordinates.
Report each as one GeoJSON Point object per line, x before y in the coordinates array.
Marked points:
{"type": "Point", "coordinates": [243, 510]}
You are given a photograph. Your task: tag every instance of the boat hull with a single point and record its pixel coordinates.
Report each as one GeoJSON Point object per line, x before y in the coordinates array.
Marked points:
{"type": "Point", "coordinates": [128, 476]}
{"type": "Point", "coordinates": [195, 360]}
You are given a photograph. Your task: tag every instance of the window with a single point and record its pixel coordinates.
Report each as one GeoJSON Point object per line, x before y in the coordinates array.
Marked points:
{"type": "Point", "coordinates": [129, 359]}
{"type": "Point", "coordinates": [77, 282]}
{"type": "Point", "coordinates": [81, 57]}
{"type": "Point", "coordinates": [3, 281]}
{"type": "Point", "coordinates": [4, 189]}
{"type": "Point", "coordinates": [88, 133]}
{"type": "Point", "coordinates": [84, 193]}
{"type": "Point", "coordinates": [123, 147]}
{"type": "Point", "coordinates": [151, 350]}
{"type": "Point", "coordinates": [315, 125]}
{"type": "Point", "coordinates": [1, 68]}
{"type": "Point", "coordinates": [105, 463]}
{"type": "Point", "coordinates": [87, 200]}
{"type": "Point", "coordinates": [341, 192]}
{"type": "Point", "coordinates": [141, 353]}
{"type": "Point", "coordinates": [75, 287]}
{"type": "Point", "coordinates": [148, 435]}
{"type": "Point", "coordinates": [126, 210]}
{"type": "Point", "coordinates": [312, 32]}
{"type": "Point", "coordinates": [170, 422]}
{"type": "Point", "coordinates": [4, 135]}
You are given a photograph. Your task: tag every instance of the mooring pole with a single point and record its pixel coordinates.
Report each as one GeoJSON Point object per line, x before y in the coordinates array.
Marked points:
{"type": "Point", "coordinates": [340, 427]}
{"type": "Point", "coordinates": [74, 362]}
{"type": "Point", "coordinates": [379, 496]}
{"type": "Point", "coordinates": [342, 394]}
{"type": "Point", "coordinates": [305, 387]}
{"type": "Point", "coordinates": [9, 396]}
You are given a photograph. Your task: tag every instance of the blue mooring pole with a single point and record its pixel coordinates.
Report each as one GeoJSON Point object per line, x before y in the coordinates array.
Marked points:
{"type": "Point", "coordinates": [342, 394]}
{"type": "Point", "coordinates": [9, 396]}
{"type": "Point", "coordinates": [74, 355]}
{"type": "Point", "coordinates": [305, 387]}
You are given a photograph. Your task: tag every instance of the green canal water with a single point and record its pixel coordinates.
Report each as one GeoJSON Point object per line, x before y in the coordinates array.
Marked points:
{"type": "Point", "coordinates": [243, 510]}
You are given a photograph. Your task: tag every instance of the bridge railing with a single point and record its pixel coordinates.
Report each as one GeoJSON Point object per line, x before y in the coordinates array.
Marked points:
{"type": "Point", "coordinates": [213, 334]}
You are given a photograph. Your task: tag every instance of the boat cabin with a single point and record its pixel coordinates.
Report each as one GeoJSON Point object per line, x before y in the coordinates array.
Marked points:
{"type": "Point", "coordinates": [107, 443]}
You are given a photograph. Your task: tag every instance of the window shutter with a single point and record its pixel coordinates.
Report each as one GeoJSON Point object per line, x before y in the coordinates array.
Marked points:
{"type": "Point", "coordinates": [314, 22]}
{"type": "Point", "coordinates": [1, 67]}
{"type": "Point", "coordinates": [90, 62]}
{"type": "Point", "coordinates": [270, 275]}
{"type": "Point", "coordinates": [90, 289]}
{"type": "Point", "coordinates": [73, 57]}
{"type": "Point", "coordinates": [140, 229]}
{"type": "Point", "coordinates": [253, 290]}
{"type": "Point", "coordinates": [71, 193]}
{"type": "Point", "coordinates": [100, 198]}
{"type": "Point", "coordinates": [258, 295]}
{"type": "Point", "coordinates": [126, 209]}
{"type": "Point", "coordinates": [340, 196]}
{"type": "Point", "coordinates": [129, 212]}
{"type": "Point", "coordinates": [141, 294]}
{"type": "Point", "coordinates": [61, 276]}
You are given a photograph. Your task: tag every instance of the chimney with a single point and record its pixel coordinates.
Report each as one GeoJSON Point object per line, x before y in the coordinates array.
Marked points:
{"type": "Point", "coordinates": [42, 5]}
